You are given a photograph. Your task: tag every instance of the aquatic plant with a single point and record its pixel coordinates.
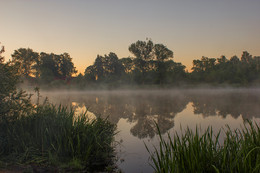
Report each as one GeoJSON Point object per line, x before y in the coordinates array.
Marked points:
{"type": "Point", "coordinates": [195, 152]}
{"type": "Point", "coordinates": [53, 136]}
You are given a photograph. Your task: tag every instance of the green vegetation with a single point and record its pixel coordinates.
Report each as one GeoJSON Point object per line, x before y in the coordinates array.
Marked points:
{"type": "Point", "coordinates": [46, 136]}
{"type": "Point", "coordinates": [52, 136]}
{"type": "Point", "coordinates": [195, 152]}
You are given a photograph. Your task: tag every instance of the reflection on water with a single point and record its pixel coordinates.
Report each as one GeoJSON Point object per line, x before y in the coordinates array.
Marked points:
{"type": "Point", "coordinates": [135, 113]}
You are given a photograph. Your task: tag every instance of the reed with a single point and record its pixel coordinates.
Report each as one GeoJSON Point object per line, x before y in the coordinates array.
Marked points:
{"type": "Point", "coordinates": [52, 136]}
{"type": "Point", "coordinates": [203, 152]}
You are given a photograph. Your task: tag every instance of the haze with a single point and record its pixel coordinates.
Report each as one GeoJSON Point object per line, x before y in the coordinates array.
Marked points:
{"type": "Point", "coordinates": [191, 29]}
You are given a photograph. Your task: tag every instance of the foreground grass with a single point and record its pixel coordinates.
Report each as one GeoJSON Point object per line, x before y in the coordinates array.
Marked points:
{"type": "Point", "coordinates": [52, 137]}
{"type": "Point", "coordinates": [195, 152]}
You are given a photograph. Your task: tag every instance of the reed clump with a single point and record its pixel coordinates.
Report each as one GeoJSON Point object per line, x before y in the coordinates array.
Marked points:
{"type": "Point", "coordinates": [193, 151]}
{"type": "Point", "coordinates": [53, 137]}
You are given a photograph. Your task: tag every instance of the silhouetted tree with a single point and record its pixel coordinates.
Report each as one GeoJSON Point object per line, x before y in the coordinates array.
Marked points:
{"type": "Point", "coordinates": [142, 50]}
{"type": "Point", "coordinates": [52, 66]}
{"type": "Point", "coordinates": [127, 64]}
{"type": "Point", "coordinates": [91, 73]}
{"type": "Point", "coordinates": [234, 60]}
{"type": "Point", "coordinates": [66, 66]}
{"type": "Point", "coordinates": [202, 68]}
{"type": "Point", "coordinates": [49, 68]}
{"type": "Point", "coordinates": [161, 53]}
{"type": "Point", "coordinates": [113, 67]}
{"type": "Point", "coordinates": [25, 58]}
{"type": "Point", "coordinates": [246, 57]}
{"type": "Point", "coordinates": [105, 68]}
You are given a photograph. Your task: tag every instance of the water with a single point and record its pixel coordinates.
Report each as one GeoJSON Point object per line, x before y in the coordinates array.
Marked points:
{"type": "Point", "coordinates": [135, 113]}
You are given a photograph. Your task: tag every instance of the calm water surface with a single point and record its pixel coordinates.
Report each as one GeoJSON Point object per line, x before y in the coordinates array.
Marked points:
{"type": "Point", "coordinates": [135, 112]}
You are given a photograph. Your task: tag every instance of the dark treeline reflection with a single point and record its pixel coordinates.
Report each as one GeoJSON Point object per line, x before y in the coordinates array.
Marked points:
{"type": "Point", "coordinates": [141, 109]}
{"type": "Point", "coordinates": [223, 104]}
{"type": "Point", "coordinates": [144, 108]}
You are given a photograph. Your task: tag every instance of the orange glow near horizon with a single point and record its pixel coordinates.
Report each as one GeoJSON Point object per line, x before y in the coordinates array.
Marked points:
{"type": "Point", "coordinates": [83, 60]}
{"type": "Point", "coordinates": [87, 28]}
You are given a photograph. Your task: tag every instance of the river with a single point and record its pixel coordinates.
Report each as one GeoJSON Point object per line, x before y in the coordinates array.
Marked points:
{"type": "Point", "coordinates": [135, 113]}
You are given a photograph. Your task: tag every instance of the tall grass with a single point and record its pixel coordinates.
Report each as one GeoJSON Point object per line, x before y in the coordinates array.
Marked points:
{"type": "Point", "coordinates": [53, 136]}
{"type": "Point", "coordinates": [195, 152]}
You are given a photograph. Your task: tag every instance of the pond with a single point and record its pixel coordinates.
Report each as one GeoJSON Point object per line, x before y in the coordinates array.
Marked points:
{"type": "Point", "coordinates": [135, 112]}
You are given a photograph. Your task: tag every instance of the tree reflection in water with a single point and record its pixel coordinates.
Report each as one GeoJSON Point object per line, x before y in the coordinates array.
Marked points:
{"type": "Point", "coordinates": [146, 107]}
{"type": "Point", "coordinates": [143, 110]}
{"type": "Point", "coordinates": [223, 104]}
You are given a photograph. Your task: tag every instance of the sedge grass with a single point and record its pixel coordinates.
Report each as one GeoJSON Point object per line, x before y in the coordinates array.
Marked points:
{"type": "Point", "coordinates": [195, 152]}
{"type": "Point", "coordinates": [53, 136]}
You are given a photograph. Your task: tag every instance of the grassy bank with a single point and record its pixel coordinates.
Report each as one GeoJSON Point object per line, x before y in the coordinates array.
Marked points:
{"type": "Point", "coordinates": [195, 152]}
{"type": "Point", "coordinates": [52, 138]}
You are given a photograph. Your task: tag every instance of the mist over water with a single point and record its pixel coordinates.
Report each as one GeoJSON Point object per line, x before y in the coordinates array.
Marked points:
{"type": "Point", "coordinates": [136, 111]}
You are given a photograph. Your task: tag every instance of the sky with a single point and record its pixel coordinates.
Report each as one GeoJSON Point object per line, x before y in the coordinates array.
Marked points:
{"type": "Point", "coordinates": [86, 28]}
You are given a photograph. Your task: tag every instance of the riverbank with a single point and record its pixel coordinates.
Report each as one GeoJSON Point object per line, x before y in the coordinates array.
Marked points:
{"type": "Point", "coordinates": [53, 138]}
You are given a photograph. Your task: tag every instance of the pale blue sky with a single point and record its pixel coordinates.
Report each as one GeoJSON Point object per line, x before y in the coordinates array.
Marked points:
{"type": "Point", "coordinates": [85, 28]}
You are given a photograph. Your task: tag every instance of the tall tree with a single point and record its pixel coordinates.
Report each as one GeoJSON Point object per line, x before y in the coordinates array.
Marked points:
{"type": "Point", "coordinates": [48, 67]}
{"type": "Point", "coordinates": [222, 60]}
{"type": "Point", "coordinates": [113, 66]}
{"type": "Point", "coordinates": [234, 59]}
{"type": "Point", "coordinates": [142, 50]}
{"type": "Point", "coordinates": [127, 64]}
{"type": "Point", "coordinates": [66, 66]}
{"type": "Point", "coordinates": [203, 68]}
{"type": "Point", "coordinates": [161, 53]}
{"type": "Point", "coordinates": [25, 58]}
{"type": "Point", "coordinates": [105, 68]}
{"type": "Point", "coordinates": [99, 66]}
{"type": "Point", "coordinates": [91, 73]}
{"type": "Point", "coordinates": [52, 66]}
{"type": "Point", "coordinates": [246, 57]}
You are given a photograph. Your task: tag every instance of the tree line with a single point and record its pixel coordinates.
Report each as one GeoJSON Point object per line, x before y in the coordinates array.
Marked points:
{"type": "Point", "coordinates": [43, 67]}
{"type": "Point", "coordinates": [151, 64]}
{"type": "Point", "coordinates": [222, 70]}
